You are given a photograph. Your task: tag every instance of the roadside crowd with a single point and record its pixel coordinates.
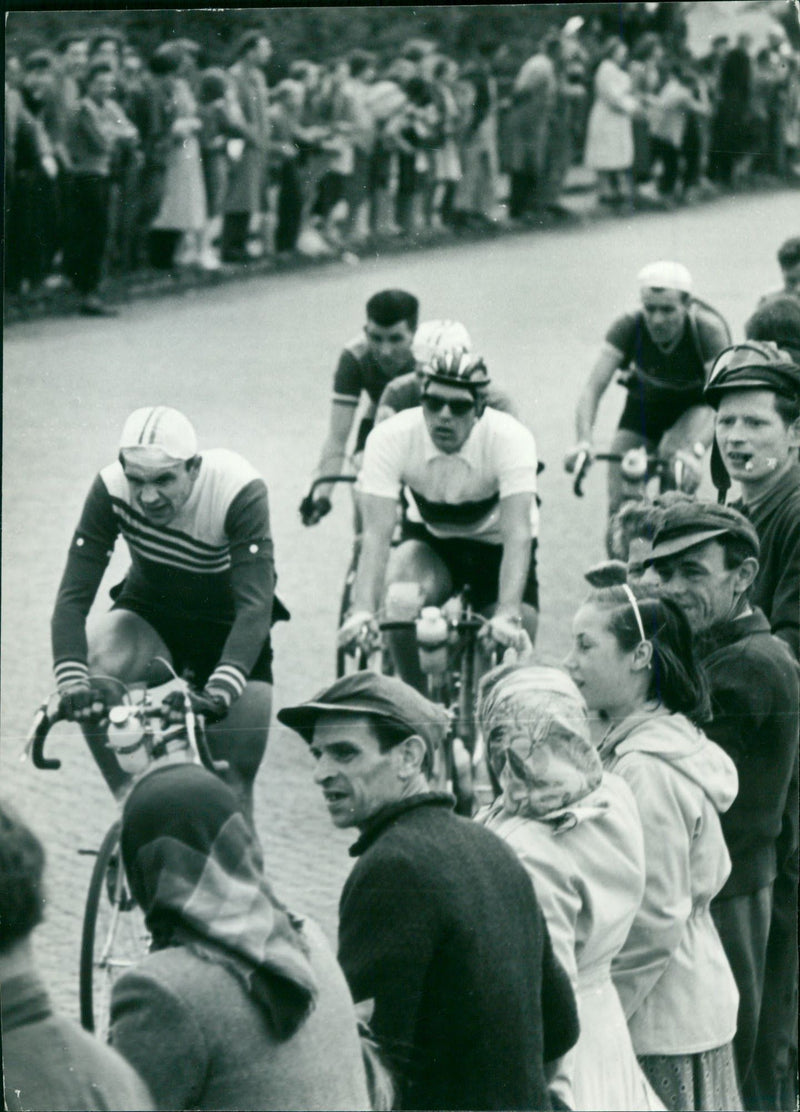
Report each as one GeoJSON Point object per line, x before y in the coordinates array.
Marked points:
{"type": "Point", "coordinates": [615, 928]}
{"type": "Point", "coordinates": [116, 162]}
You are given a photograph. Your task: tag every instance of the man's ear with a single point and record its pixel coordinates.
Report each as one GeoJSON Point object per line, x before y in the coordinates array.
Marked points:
{"type": "Point", "coordinates": [411, 756]}
{"type": "Point", "coordinates": [746, 573]}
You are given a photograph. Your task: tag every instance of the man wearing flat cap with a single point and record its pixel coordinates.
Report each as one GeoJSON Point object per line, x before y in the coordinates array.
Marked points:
{"type": "Point", "coordinates": [705, 557]}
{"type": "Point", "coordinates": [438, 922]}
{"type": "Point", "coordinates": [755, 389]}
{"type": "Point", "coordinates": [663, 352]}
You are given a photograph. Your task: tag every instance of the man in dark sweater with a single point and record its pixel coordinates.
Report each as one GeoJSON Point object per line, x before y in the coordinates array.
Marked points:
{"type": "Point", "coordinates": [705, 557]}
{"type": "Point", "coordinates": [755, 388]}
{"type": "Point", "coordinates": [439, 924]}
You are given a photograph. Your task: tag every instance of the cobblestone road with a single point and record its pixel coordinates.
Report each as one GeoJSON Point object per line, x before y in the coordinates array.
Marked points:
{"type": "Point", "coordinates": [251, 364]}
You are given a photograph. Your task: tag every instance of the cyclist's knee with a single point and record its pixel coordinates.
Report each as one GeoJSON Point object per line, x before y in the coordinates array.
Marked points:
{"type": "Point", "coordinates": [122, 645]}
{"type": "Point", "coordinates": [241, 737]}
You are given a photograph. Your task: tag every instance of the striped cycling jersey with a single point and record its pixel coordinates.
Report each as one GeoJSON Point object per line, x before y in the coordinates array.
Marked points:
{"type": "Point", "coordinates": [213, 562]}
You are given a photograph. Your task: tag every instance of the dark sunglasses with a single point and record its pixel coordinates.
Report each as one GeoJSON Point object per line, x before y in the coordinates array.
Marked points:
{"type": "Point", "coordinates": [459, 407]}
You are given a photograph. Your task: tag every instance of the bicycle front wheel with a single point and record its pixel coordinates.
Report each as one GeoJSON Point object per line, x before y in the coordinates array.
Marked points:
{"type": "Point", "coordinates": [114, 936]}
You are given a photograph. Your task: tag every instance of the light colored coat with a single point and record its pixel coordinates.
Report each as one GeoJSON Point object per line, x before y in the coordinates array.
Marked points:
{"type": "Point", "coordinates": [672, 975]}
{"type": "Point", "coordinates": [609, 134]}
{"type": "Point", "coordinates": [587, 866]}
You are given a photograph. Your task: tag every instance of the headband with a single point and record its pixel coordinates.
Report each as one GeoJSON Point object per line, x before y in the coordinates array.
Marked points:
{"type": "Point", "coordinates": [636, 611]}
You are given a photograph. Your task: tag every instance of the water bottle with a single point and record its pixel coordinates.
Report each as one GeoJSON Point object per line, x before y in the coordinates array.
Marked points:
{"type": "Point", "coordinates": [432, 640]}
{"type": "Point", "coordinates": [126, 736]}
{"type": "Point", "coordinates": [634, 465]}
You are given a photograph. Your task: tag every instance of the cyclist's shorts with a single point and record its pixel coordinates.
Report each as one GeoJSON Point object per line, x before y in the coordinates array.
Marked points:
{"type": "Point", "coordinates": [194, 644]}
{"type": "Point", "coordinates": [651, 416]}
{"type": "Point", "coordinates": [475, 563]}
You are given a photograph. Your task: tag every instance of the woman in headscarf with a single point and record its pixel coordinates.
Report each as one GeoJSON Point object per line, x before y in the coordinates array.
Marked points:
{"type": "Point", "coordinates": [577, 832]}
{"type": "Point", "coordinates": [633, 660]}
{"type": "Point", "coordinates": [240, 1005]}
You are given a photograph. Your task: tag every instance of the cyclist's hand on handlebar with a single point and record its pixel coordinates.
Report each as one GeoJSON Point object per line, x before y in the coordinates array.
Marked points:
{"type": "Point", "coordinates": [313, 509]}
{"type": "Point", "coordinates": [81, 704]}
{"type": "Point", "coordinates": [505, 631]}
{"type": "Point", "coordinates": [357, 625]}
{"type": "Point", "coordinates": [212, 706]}
{"type": "Point", "coordinates": [572, 456]}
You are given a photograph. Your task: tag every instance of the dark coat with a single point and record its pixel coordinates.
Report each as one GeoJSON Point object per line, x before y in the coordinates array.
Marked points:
{"type": "Point", "coordinates": [754, 698]}
{"type": "Point", "coordinates": [439, 925]}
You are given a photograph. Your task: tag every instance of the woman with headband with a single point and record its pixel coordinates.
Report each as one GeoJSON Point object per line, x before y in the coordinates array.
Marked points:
{"type": "Point", "coordinates": [633, 661]}
{"type": "Point", "coordinates": [577, 831]}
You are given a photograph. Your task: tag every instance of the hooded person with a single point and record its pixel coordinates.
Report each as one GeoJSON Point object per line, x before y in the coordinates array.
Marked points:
{"type": "Point", "coordinates": [576, 830]}
{"type": "Point", "coordinates": [240, 1003]}
{"type": "Point", "coordinates": [633, 661]}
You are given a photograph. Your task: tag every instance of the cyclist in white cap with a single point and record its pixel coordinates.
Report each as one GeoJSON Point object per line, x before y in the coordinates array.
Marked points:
{"type": "Point", "coordinates": [664, 352]}
{"type": "Point", "coordinates": [199, 591]}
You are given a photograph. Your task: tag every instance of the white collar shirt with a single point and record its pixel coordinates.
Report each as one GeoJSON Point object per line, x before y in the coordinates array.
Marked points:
{"type": "Point", "coordinates": [453, 494]}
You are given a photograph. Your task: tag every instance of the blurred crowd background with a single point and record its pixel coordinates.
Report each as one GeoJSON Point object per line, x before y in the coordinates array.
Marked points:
{"type": "Point", "coordinates": [158, 140]}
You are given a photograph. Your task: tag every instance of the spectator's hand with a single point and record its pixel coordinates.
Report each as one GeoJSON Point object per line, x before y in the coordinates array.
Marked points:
{"type": "Point", "coordinates": [50, 166]}
{"type": "Point", "coordinates": [83, 705]}
{"type": "Point", "coordinates": [361, 624]}
{"type": "Point", "coordinates": [210, 705]}
{"type": "Point", "coordinates": [312, 510]}
{"type": "Point", "coordinates": [571, 458]}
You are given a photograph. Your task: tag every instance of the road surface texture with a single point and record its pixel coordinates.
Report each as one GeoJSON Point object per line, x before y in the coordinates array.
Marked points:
{"type": "Point", "coordinates": [251, 364]}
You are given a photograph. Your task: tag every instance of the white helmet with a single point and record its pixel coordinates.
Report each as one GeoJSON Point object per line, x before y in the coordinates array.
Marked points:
{"type": "Point", "coordinates": [439, 335]}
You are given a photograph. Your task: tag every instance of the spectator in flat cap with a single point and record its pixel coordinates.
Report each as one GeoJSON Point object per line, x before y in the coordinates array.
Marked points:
{"type": "Point", "coordinates": [705, 557]}
{"type": "Point", "coordinates": [756, 391]}
{"type": "Point", "coordinates": [469, 1001]}
{"type": "Point", "coordinates": [48, 1061]}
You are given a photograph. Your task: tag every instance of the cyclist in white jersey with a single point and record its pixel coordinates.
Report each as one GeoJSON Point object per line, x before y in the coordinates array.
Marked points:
{"type": "Point", "coordinates": [469, 473]}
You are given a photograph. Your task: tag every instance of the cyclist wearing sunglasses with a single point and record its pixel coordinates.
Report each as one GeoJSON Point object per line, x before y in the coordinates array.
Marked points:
{"type": "Point", "coordinates": [469, 474]}
{"type": "Point", "coordinates": [663, 353]}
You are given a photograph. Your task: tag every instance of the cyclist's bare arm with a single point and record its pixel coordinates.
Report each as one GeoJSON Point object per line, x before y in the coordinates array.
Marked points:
{"type": "Point", "coordinates": [608, 361]}
{"type": "Point", "coordinates": [694, 427]}
{"type": "Point", "coordinates": [515, 530]}
{"type": "Point", "coordinates": [380, 518]}
{"type": "Point", "coordinates": [334, 448]}
{"type": "Point", "coordinates": [384, 412]}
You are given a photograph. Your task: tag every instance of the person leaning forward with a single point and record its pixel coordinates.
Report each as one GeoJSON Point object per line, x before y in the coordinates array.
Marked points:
{"type": "Point", "coordinates": [439, 925]}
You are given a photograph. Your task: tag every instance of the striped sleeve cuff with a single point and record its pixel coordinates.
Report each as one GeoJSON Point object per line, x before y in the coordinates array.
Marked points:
{"type": "Point", "coordinates": [71, 673]}
{"type": "Point", "coordinates": [228, 681]}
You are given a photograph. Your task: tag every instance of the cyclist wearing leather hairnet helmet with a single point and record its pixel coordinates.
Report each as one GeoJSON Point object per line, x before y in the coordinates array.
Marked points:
{"type": "Point", "coordinates": [433, 337]}
{"type": "Point", "coordinates": [469, 474]}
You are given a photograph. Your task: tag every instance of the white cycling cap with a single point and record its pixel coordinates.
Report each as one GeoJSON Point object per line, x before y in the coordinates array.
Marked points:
{"type": "Point", "coordinates": [157, 434]}
{"type": "Point", "coordinates": [439, 335]}
{"type": "Point", "coordinates": [665, 275]}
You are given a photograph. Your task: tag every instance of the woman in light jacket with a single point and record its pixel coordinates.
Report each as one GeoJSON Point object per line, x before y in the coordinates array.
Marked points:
{"type": "Point", "coordinates": [609, 136]}
{"type": "Point", "coordinates": [577, 832]}
{"type": "Point", "coordinates": [633, 661]}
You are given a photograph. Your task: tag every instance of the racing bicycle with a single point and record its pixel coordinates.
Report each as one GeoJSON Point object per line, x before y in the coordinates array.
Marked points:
{"type": "Point", "coordinates": [453, 662]}
{"type": "Point", "coordinates": [144, 737]}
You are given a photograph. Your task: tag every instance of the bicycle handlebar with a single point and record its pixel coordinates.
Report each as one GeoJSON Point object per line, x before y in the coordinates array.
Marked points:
{"type": "Point", "coordinates": [324, 480]}
{"type": "Point", "coordinates": [37, 735]}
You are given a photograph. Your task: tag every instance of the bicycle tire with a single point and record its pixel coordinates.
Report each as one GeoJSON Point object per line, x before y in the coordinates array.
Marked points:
{"type": "Point", "coordinates": [107, 899]}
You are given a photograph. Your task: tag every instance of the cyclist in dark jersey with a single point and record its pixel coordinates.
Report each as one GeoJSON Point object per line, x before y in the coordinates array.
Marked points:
{"type": "Point", "coordinates": [367, 364]}
{"type": "Point", "coordinates": [664, 352]}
